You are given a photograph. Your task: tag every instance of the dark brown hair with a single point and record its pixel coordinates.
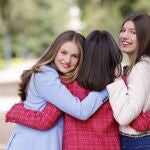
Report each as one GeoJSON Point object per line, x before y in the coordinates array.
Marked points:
{"type": "Point", "coordinates": [102, 56]}
{"type": "Point", "coordinates": [141, 22]}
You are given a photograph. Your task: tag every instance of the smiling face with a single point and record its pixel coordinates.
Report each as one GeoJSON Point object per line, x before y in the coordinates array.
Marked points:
{"type": "Point", "coordinates": [128, 39]}
{"type": "Point", "coordinates": [67, 57]}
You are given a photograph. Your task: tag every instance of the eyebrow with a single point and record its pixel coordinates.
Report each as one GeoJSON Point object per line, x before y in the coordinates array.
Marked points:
{"type": "Point", "coordinates": [129, 28]}
{"type": "Point", "coordinates": [72, 54]}
{"type": "Point", "coordinates": [132, 29]}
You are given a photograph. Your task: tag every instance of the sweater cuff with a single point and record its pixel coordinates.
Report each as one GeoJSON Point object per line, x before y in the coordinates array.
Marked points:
{"type": "Point", "coordinates": [118, 84]}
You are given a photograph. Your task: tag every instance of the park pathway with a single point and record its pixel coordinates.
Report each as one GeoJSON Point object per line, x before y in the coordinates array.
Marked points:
{"type": "Point", "coordinates": [9, 78]}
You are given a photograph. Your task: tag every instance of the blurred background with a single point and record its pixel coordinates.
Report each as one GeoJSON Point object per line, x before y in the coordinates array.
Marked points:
{"type": "Point", "coordinates": [27, 27]}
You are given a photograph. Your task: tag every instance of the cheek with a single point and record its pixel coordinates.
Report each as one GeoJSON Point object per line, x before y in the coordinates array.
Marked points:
{"type": "Point", "coordinates": [58, 57]}
{"type": "Point", "coordinates": [55, 60]}
{"type": "Point", "coordinates": [135, 44]}
{"type": "Point", "coordinates": [75, 62]}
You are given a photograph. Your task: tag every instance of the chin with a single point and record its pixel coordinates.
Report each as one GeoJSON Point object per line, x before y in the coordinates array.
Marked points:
{"type": "Point", "coordinates": [65, 71]}
{"type": "Point", "coordinates": [124, 50]}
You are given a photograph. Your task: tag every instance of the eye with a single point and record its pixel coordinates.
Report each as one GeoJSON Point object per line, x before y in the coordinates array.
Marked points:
{"type": "Point", "coordinates": [133, 32]}
{"type": "Point", "coordinates": [63, 52]}
{"type": "Point", "coordinates": [75, 56]}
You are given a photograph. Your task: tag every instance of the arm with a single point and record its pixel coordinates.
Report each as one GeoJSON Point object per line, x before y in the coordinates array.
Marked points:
{"type": "Point", "coordinates": [142, 122]}
{"type": "Point", "coordinates": [41, 120]}
{"type": "Point", "coordinates": [127, 102]}
{"type": "Point", "coordinates": [49, 79]}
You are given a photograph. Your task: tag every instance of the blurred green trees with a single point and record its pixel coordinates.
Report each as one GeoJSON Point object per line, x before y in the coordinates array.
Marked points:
{"type": "Point", "coordinates": [108, 14]}
{"type": "Point", "coordinates": [29, 26]}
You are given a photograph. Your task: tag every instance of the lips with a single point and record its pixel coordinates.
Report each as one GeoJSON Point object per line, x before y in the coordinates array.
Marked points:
{"type": "Point", "coordinates": [126, 43]}
{"type": "Point", "coordinates": [66, 66]}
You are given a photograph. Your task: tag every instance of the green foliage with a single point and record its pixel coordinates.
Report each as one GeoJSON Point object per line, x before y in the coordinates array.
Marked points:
{"type": "Point", "coordinates": [33, 24]}
{"type": "Point", "coordinates": [34, 20]}
{"type": "Point", "coordinates": [3, 10]}
{"type": "Point", "coordinates": [142, 6]}
{"type": "Point", "coordinates": [108, 14]}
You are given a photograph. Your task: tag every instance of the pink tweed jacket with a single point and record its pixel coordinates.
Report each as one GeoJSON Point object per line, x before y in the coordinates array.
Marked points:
{"type": "Point", "coordinates": [100, 131]}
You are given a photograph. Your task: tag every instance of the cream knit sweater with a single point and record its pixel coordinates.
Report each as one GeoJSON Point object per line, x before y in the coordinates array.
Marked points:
{"type": "Point", "coordinates": [128, 102]}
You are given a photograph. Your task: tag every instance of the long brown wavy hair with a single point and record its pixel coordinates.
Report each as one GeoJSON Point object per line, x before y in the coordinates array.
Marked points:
{"type": "Point", "coordinates": [49, 56]}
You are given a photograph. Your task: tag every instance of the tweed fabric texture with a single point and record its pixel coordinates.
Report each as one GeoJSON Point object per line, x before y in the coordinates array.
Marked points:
{"type": "Point", "coordinates": [94, 133]}
{"type": "Point", "coordinates": [99, 132]}
{"type": "Point", "coordinates": [142, 122]}
{"type": "Point", "coordinates": [35, 119]}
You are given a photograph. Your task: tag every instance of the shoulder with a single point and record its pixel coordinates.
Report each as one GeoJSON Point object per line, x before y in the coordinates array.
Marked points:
{"type": "Point", "coordinates": [48, 70]}
{"type": "Point", "coordinates": [47, 74]}
{"type": "Point", "coordinates": [45, 68]}
{"type": "Point", "coordinates": [141, 70]}
{"type": "Point", "coordinates": [143, 66]}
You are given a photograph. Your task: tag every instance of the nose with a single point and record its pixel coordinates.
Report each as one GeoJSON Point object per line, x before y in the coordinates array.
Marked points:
{"type": "Point", "coordinates": [125, 34]}
{"type": "Point", "coordinates": [68, 59]}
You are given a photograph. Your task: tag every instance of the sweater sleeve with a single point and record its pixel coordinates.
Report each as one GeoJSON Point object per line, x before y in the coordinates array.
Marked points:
{"type": "Point", "coordinates": [44, 119]}
{"type": "Point", "coordinates": [41, 120]}
{"type": "Point", "coordinates": [127, 102]}
{"type": "Point", "coordinates": [61, 97]}
{"type": "Point", "coordinates": [142, 122]}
